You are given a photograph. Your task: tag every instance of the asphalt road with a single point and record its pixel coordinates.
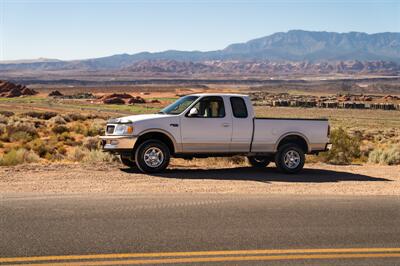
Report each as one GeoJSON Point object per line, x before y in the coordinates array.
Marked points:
{"type": "Point", "coordinates": [200, 229]}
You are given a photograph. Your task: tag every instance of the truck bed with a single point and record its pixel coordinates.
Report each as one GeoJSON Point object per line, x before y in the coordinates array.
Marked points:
{"type": "Point", "coordinates": [282, 118]}
{"type": "Point", "coordinates": [269, 131]}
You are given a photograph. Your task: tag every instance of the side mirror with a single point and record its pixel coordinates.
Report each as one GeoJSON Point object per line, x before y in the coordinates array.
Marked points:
{"type": "Point", "coordinates": [193, 112]}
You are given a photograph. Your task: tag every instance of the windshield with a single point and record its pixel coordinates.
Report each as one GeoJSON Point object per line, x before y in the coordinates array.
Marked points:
{"type": "Point", "coordinates": [179, 106]}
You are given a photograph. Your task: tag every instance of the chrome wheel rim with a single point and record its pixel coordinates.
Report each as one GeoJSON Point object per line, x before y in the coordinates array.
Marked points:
{"type": "Point", "coordinates": [153, 157]}
{"type": "Point", "coordinates": [292, 159]}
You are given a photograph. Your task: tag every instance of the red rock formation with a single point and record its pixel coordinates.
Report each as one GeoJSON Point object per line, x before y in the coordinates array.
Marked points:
{"type": "Point", "coordinates": [9, 90]}
{"type": "Point", "coordinates": [117, 95]}
{"type": "Point", "coordinates": [55, 94]}
{"type": "Point", "coordinates": [136, 99]}
{"type": "Point", "coordinates": [114, 100]}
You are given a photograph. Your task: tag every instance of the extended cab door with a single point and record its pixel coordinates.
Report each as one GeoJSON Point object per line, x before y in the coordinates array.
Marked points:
{"type": "Point", "coordinates": [242, 124]}
{"type": "Point", "coordinates": [209, 130]}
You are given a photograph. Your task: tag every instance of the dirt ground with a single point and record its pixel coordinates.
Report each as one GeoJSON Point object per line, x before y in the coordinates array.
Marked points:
{"type": "Point", "coordinates": [316, 179]}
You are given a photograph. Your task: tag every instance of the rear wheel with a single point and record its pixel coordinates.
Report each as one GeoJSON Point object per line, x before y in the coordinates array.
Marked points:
{"type": "Point", "coordinates": [259, 161]}
{"type": "Point", "coordinates": [290, 158]}
{"type": "Point", "coordinates": [152, 156]}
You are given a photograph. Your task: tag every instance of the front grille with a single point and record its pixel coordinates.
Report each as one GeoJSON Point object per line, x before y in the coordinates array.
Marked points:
{"type": "Point", "coordinates": [110, 129]}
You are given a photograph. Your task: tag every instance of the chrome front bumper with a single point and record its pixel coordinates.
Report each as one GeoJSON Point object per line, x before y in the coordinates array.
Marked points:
{"type": "Point", "coordinates": [115, 143]}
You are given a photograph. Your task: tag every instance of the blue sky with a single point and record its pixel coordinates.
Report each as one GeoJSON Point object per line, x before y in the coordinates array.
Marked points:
{"type": "Point", "coordinates": [94, 28]}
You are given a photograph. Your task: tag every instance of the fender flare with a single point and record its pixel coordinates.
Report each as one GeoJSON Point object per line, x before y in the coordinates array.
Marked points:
{"type": "Point", "coordinates": [292, 133]}
{"type": "Point", "coordinates": [158, 130]}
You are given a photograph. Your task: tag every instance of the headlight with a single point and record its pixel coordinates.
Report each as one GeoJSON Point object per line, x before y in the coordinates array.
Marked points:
{"type": "Point", "coordinates": [123, 130]}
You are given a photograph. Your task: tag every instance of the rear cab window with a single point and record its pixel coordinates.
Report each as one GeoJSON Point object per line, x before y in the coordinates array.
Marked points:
{"type": "Point", "coordinates": [239, 108]}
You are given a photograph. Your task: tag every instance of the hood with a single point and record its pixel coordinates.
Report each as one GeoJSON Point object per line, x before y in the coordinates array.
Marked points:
{"type": "Point", "coordinates": [136, 118]}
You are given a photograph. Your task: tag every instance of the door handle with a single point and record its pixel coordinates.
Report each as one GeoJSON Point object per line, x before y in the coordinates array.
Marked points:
{"type": "Point", "coordinates": [226, 124]}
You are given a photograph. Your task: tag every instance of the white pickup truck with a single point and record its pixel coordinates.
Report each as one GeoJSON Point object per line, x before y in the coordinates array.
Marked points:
{"type": "Point", "coordinates": [205, 125]}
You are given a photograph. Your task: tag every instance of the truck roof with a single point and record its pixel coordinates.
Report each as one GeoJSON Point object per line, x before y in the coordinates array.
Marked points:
{"type": "Point", "coordinates": [219, 94]}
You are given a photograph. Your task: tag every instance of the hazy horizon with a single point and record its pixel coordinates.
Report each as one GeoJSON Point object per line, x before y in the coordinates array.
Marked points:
{"type": "Point", "coordinates": [90, 29]}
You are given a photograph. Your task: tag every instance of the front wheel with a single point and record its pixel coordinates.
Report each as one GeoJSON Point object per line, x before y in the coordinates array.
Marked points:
{"type": "Point", "coordinates": [152, 156]}
{"type": "Point", "coordinates": [290, 158]}
{"type": "Point", "coordinates": [127, 161]}
{"type": "Point", "coordinates": [258, 161]}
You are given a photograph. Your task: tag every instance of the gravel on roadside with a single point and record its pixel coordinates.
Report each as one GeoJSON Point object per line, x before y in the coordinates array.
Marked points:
{"type": "Point", "coordinates": [316, 179]}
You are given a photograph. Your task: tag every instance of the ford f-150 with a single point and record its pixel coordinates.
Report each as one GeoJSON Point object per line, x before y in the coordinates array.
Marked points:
{"type": "Point", "coordinates": [205, 125]}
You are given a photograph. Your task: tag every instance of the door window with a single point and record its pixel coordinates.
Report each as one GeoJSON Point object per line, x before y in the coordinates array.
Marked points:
{"type": "Point", "coordinates": [209, 107]}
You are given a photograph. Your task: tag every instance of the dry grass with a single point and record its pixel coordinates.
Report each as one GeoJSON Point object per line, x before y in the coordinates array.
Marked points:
{"type": "Point", "coordinates": [19, 156]}
{"type": "Point", "coordinates": [389, 155]}
{"type": "Point", "coordinates": [53, 130]}
{"type": "Point", "coordinates": [84, 155]}
{"type": "Point", "coordinates": [49, 136]}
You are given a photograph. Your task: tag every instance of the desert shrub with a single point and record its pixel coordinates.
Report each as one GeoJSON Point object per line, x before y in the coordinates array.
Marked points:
{"type": "Point", "coordinates": [4, 137]}
{"type": "Point", "coordinates": [72, 142]}
{"type": "Point", "coordinates": [40, 147]}
{"type": "Point", "coordinates": [65, 136]}
{"type": "Point", "coordinates": [18, 156]}
{"type": "Point", "coordinates": [66, 118]}
{"type": "Point", "coordinates": [7, 113]}
{"type": "Point", "coordinates": [60, 150]}
{"type": "Point", "coordinates": [3, 119]}
{"type": "Point", "coordinates": [59, 129]}
{"type": "Point", "coordinates": [3, 129]}
{"type": "Point", "coordinates": [74, 117]}
{"type": "Point", "coordinates": [1, 145]}
{"type": "Point", "coordinates": [50, 149]}
{"type": "Point", "coordinates": [96, 116]}
{"type": "Point", "coordinates": [78, 154]}
{"type": "Point", "coordinates": [92, 129]}
{"type": "Point", "coordinates": [55, 157]}
{"type": "Point", "coordinates": [67, 139]}
{"type": "Point", "coordinates": [78, 127]}
{"type": "Point", "coordinates": [95, 156]}
{"type": "Point", "coordinates": [365, 149]}
{"type": "Point", "coordinates": [345, 148]}
{"type": "Point", "coordinates": [48, 115]}
{"type": "Point", "coordinates": [57, 120]}
{"type": "Point", "coordinates": [39, 123]}
{"type": "Point", "coordinates": [389, 156]}
{"type": "Point", "coordinates": [20, 131]}
{"type": "Point", "coordinates": [33, 114]}
{"type": "Point", "coordinates": [91, 143]}
{"type": "Point", "coordinates": [22, 126]}
{"type": "Point", "coordinates": [41, 115]}
{"type": "Point", "coordinates": [20, 136]}
{"type": "Point", "coordinates": [95, 128]}
{"type": "Point", "coordinates": [81, 154]}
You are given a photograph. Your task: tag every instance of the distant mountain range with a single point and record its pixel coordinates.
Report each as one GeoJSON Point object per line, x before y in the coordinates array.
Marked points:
{"type": "Point", "coordinates": [296, 50]}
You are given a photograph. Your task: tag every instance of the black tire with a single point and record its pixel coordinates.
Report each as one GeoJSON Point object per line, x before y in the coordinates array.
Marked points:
{"type": "Point", "coordinates": [259, 161]}
{"type": "Point", "coordinates": [127, 161]}
{"type": "Point", "coordinates": [290, 165]}
{"type": "Point", "coordinates": [159, 149]}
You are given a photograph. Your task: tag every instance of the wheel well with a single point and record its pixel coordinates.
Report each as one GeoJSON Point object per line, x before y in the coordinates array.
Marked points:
{"type": "Point", "coordinates": [300, 141]}
{"type": "Point", "coordinates": [158, 136]}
